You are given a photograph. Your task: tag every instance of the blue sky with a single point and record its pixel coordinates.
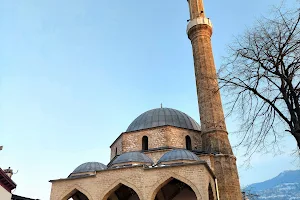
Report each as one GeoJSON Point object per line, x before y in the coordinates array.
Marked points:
{"type": "Point", "coordinates": [75, 73]}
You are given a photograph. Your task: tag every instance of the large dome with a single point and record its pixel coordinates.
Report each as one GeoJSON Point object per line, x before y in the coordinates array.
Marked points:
{"type": "Point", "coordinates": [163, 116]}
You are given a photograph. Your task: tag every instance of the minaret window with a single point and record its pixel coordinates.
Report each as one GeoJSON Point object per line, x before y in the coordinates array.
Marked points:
{"type": "Point", "coordinates": [145, 143]}
{"type": "Point", "coordinates": [188, 143]}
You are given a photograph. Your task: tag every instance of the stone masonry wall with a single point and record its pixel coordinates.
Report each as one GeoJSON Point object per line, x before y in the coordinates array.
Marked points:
{"type": "Point", "coordinates": [156, 155]}
{"type": "Point", "coordinates": [158, 137]}
{"type": "Point", "coordinates": [209, 159]}
{"type": "Point", "coordinates": [145, 182]}
{"type": "Point", "coordinates": [176, 138]}
{"type": "Point", "coordinates": [228, 178]}
{"type": "Point", "coordinates": [117, 145]}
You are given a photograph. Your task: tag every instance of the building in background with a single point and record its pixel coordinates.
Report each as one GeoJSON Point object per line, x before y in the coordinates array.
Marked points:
{"type": "Point", "coordinates": [164, 154]}
{"type": "Point", "coordinates": [6, 184]}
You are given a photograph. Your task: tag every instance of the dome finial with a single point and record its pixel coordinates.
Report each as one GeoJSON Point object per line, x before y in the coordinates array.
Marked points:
{"type": "Point", "coordinates": [161, 105]}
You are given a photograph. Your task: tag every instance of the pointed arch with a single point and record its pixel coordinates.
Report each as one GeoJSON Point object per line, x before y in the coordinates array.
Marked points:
{"type": "Point", "coordinates": [69, 192]}
{"type": "Point", "coordinates": [164, 181]}
{"type": "Point", "coordinates": [210, 193]}
{"type": "Point", "coordinates": [118, 184]}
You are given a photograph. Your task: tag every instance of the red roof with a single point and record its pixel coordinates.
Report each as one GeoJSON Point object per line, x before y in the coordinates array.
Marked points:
{"type": "Point", "coordinates": [6, 182]}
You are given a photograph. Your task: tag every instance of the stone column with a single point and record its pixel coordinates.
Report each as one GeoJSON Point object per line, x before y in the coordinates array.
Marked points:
{"type": "Point", "coordinates": [213, 128]}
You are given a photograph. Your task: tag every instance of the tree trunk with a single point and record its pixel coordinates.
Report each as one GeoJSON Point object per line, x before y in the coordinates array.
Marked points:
{"type": "Point", "coordinates": [297, 137]}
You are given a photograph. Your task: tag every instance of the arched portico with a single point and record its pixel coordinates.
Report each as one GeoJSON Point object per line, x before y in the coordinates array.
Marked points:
{"type": "Point", "coordinates": [175, 188]}
{"type": "Point", "coordinates": [122, 190]}
{"type": "Point", "coordinates": [76, 193]}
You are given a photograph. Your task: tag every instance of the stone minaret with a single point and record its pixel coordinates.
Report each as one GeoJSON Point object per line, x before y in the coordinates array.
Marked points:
{"type": "Point", "coordinates": [215, 136]}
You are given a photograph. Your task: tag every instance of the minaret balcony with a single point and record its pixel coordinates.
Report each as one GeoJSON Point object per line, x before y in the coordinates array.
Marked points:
{"type": "Point", "coordinates": [198, 21]}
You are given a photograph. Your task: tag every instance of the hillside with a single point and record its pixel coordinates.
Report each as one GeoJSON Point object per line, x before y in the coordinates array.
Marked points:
{"type": "Point", "coordinates": [285, 186]}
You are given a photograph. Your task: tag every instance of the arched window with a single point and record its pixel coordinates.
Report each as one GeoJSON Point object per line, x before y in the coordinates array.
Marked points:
{"type": "Point", "coordinates": [188, 143]}
{"type": "Point", "coordinates": [145, 143]}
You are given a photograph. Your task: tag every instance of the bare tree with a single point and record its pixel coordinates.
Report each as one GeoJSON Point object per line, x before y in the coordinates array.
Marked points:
{"type": "Point", "coordinates": [261, 79]}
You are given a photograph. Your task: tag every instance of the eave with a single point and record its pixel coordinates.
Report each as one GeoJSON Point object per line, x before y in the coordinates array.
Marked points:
{"type": "Point", "coordinates": [6, 182]}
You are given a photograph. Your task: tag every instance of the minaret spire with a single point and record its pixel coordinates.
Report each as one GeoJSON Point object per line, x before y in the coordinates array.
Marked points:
{"type": "Point", "coordinates": [214, 133]}
{"type": "Point", "coordinates": [196, 9]}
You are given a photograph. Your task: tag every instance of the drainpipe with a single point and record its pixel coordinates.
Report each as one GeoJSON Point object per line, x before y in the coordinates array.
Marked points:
{"type": "Point", "coordinates": [217, 189]}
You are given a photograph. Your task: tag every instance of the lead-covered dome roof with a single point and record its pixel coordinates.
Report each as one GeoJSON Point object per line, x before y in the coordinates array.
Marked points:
{"type": "Point", "coordinates": [178, 155]}
{"type": "Point", "coordinates": [163, 116]}
{"type": "Point", "coordinates": [89, 167]}
{"type": "Point", "coordinates": [128, 157]}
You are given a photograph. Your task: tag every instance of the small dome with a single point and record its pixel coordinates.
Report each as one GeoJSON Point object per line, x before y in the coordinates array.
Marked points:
{"type": "Point", "coordinates": [132, 157]}
{"type": "Point", "coordinates": [163, 116]}
{"type": "Point", "coordinates": [89, 167]}
{"type": "Point", "coordinates": [177, 155]}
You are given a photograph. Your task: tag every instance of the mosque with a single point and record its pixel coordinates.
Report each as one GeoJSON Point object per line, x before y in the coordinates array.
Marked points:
{"type": "Point", "coordinates": [164, 154]}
